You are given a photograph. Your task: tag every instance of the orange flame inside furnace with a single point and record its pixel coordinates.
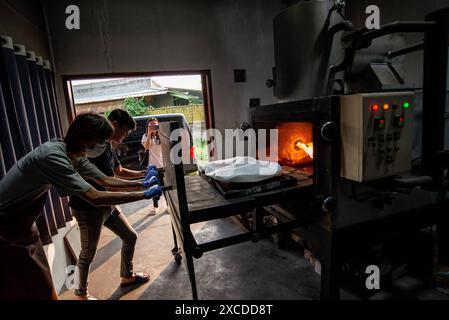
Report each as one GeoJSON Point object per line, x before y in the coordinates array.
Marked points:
{"type": "Point", "coordinates": [308, 148]}
{"type": "Point", "coordinates": [295, 143]}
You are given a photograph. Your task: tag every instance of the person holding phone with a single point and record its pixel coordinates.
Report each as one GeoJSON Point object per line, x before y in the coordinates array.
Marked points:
{"type": "Point", "coordinates": [152, 144]}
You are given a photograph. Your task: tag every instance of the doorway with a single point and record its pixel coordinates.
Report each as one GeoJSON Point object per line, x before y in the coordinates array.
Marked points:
{"type": "Point", "coordinates": [147, 94]}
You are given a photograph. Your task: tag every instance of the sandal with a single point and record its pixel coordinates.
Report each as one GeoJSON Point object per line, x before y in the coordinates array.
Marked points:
{"type": "Point", "coordinates": [86, 297]}
{"type": "Point", "coordinates": [152, 212]}
{"type": "Point", "coordinates": [139, 278]}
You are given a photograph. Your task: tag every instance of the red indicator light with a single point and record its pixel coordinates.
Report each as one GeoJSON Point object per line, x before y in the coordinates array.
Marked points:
{"type": "Point", "coordinates": [399, 121]}
{"type": "Point", "coordinates": [375, 107]}
{"type": "Point", "coordinates": [379, 123]}
{"type": "Point", "coordinates": [386, 106]}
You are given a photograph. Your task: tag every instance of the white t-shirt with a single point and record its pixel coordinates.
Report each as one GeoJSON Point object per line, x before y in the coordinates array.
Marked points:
{"type": "Point", "coordinates": [154, 153]}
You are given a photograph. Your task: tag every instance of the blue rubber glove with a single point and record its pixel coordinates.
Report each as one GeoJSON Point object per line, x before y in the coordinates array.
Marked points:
{"type": "Point", "coordinates": [151, 173]}
{"type": "Point", "coordinates": [150, 182]}
{"type": "Point", "coordinates": [153, 192]}
{"type": "Point", "coordinates": [151, 167]}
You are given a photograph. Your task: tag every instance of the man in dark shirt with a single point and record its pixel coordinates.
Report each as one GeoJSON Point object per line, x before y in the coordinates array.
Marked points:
{"type": "Point", "coordinates": [91, 219]}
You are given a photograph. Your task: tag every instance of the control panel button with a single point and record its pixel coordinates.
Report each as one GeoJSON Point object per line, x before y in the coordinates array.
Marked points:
{"type": "Point", "coordinates": [381, 138]}
{"type": "Point", "coordinates": [399, 121]}
{"type": "Point", "coordinates": [381, 151]}
{"type": "Point", "coordinates": [379, 123]}
{"type": "Point", "coordinates": [389, 137]}
{"type": "Point", "coordinates": [372, 141]}
{"type": "Point", "coordinates": [397, 135]}
{"type": "Point", "coordinates": [389, 159]}
{"type": "Point", "coordinates": [396, 149]}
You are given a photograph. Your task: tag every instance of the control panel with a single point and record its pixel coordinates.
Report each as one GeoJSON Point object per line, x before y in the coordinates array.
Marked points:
{"type": "Point", "coordinates": [376, 134]}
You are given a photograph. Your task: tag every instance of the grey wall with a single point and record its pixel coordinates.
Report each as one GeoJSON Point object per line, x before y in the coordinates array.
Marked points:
{"type": "Point", "coordinates": [24, 22]}
{"type": "Point", "coordinates": [164, 35]}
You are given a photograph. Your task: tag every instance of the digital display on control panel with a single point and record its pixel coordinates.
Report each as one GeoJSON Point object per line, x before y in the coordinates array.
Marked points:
{"type": "Point", "coordinates": [377, 134]}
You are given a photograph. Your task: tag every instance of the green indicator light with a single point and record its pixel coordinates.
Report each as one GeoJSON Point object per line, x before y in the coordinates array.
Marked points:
{"type": "Point", "coordinates": [406, 105]}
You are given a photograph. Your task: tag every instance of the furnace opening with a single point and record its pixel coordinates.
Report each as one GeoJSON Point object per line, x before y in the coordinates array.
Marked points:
{"type": "Point", "coordinates": [295, 144]}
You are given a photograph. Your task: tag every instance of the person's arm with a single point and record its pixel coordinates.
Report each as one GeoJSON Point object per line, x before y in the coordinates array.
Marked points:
{"type": "Point", "coordinates": [146, 141]}
{"type": "Point", "coordinates": [59, 171]}
{"type": "Point", "coordinates": [125, 173]}
{"type": "Point", "coordinates": [89, 171]}
{"type": "Point", "coordinates": [107, 198]}
{"type": "Point", "coordinates": [116, 184]}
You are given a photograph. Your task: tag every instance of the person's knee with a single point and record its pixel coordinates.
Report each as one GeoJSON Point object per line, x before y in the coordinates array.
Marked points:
{"type": "Point", "coordinates": [131, 237]}
{"type": "Point", "coordinates": [86, 257]}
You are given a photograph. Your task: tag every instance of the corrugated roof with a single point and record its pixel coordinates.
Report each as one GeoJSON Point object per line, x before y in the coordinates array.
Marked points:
{"type": "Point", "coordinates": [116, 90]}
{"type": "Point", "coordinates": [185, 95]}
{"type": "Point", "coordinates": [118, 96]}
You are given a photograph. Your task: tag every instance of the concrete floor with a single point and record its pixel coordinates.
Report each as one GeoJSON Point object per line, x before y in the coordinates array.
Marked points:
{"type": "Point", "coordinates": [241, 272]}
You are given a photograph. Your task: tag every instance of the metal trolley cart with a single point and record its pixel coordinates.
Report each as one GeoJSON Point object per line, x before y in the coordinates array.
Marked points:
{"type": "Point", "coordinates": [192, 199]}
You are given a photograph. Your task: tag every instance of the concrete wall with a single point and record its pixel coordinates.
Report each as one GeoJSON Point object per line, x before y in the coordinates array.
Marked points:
{"type": "Point", "coordinates": [24, 22]}
{"type": "Point", "coordinates": [160, 35]}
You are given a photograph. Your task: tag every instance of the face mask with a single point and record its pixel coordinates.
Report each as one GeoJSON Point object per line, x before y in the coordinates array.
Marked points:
{"type": "Point", "coordinates": [96, 151]}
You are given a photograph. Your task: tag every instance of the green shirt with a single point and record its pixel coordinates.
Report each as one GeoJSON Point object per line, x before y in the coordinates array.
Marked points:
{"type": "Point", "coordinates": [47, 165]}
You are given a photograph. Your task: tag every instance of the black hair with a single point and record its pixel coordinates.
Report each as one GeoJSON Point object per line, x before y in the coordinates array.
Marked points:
{"type": "Point", "coordinates": [158, 140]}
{"type": "Point", "coordinates": [149, 120]}
{"type": "Point", "coordinates": [123, 119]}
{"type": "Point", "coordinates": [87, 127]}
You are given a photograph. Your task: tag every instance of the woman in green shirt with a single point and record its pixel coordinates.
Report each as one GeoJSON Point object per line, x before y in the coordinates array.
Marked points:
{"type": "Point", "coordinates": [24, 271]}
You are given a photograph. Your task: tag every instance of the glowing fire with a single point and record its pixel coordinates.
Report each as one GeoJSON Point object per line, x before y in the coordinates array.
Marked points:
{"type": "Point", "coordinates": [308, 148]}
{"type": "Point", "coordinates": [295, 143]}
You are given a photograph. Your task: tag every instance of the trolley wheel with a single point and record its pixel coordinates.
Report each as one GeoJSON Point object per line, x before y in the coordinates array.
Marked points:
{"type": "Point", "coordinates": [255, 237]}
{"type": "Point", "coordinates": [178, 258]}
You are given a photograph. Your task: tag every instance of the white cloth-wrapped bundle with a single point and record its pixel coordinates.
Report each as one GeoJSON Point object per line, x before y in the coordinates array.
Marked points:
{"type": "Point", "coordinates": [241, 170]}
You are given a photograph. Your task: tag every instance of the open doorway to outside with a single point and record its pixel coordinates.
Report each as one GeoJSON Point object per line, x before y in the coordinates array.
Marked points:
{"type": "Point", "coordinates": [144, 96]}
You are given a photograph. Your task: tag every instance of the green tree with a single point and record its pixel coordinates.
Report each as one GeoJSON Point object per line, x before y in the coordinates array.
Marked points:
{"type": "Point", "coordinates": [135, 106]}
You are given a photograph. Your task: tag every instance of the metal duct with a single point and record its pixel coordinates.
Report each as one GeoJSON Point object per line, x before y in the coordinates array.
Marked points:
{"type": "Point", "coordinates": [305, 49]}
